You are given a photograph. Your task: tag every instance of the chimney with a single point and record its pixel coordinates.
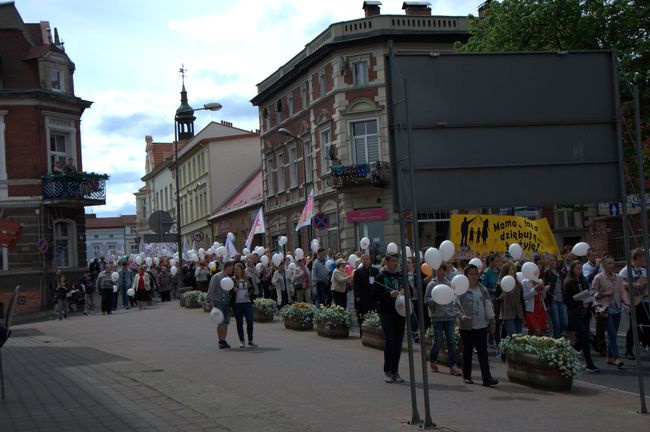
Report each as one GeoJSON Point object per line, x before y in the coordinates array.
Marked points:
{"type": "Point", "coordinates": [46, 34]}
{"type": "Point", "coordinates": [417, 8]}
{"type": "Point", "coordinates": [483, 8]}
{"type": "Point", "coordinates": [372, 8]}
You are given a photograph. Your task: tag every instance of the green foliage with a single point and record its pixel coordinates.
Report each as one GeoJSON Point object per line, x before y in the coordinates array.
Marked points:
{"type": "Point", "coordinates": [192, 296]}
{"type": "Point", "coordinates": [557, 353]}
{"type": "Point", "coordinates": [265, 305]}
{"type": "Point", "coordinates": [371, 319]}
{"type": "Point", "coordinates": [300, 312]}
{"type": "Point", "coordinates": [333, 316]}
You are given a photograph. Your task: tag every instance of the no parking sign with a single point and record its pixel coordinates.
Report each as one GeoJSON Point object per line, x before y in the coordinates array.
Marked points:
{"type": "Point", "coordinates": [321, 221]}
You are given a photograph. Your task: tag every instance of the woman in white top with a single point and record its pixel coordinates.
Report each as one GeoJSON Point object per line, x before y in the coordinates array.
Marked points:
{"type": "Point", "coordinates": [243, 307]}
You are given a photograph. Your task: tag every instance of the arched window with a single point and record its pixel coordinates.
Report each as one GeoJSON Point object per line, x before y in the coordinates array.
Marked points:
{"type": "Point", "coordinates": [65, 243]}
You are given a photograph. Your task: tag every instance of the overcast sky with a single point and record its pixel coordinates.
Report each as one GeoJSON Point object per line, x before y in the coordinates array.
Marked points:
{"type": "Point", "coordinates": [128, 52]}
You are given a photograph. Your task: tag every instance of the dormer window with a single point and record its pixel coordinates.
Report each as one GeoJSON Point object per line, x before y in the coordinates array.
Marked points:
{"type": "Point", "coordinates": [56, 80]}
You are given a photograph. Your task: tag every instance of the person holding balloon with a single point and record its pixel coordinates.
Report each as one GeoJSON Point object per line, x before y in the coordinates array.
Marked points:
{"type": "Point", "coordinates": [279, 281]}
{"type": "Point", "coordinates": [124, 282]}
{"type": "Point", "coordinates": [341, 277]}
{"type": "Point", "coordinates": [511, 297]}
{"type": "Point", "coordinates": [202, 276]}
{"type": "Point", "coordinates": [244, 291]}
{"type": "Point", "coordinates": [164, 284]}
{"type": "Point", "coordinates": [534, 296]}
{"type": "Point", "coordinates": [105, 285]}
{"type": "Point", "coordinates": [142, 287]}
{"type": "Point", "coordinates": [219, 298]}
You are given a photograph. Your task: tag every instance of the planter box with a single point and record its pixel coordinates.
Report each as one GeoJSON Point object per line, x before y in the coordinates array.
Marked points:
{"type": "Point", "coordinates": [339, 331]}
{"type": "Point", "coordinates": [296, 325]}
{"type": "Point", "coordinates": [182, 300]}
{"type": "Point", "coordinates": [530, 370]}
{"type": "Point", "coordinates": [261, 316]}
{"type": "Point", "coordinates": [372, 337]}
{"type": "Point", "coordinates": [193, 305]}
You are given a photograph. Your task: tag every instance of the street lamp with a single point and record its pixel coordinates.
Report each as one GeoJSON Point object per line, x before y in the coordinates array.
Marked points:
{"type": "Point", "coordinates": [286, 132]}
{"type": "Point", "coordinates": [212, 106]}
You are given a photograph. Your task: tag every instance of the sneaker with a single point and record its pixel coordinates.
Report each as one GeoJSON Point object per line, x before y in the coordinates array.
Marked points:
{"type": "Point", "coordinates": [593, 369]}
{"type": "Point", "coordinates": [434, 367]}
{"type": "Point", "coordinates": [251, 344]}
{"type": "Point", "coordinates": [388, 378]}
{"type": "Point", "coordinates": [619, 364]}
{"type": "Point", "coordinates": [222, 344]}
{"type": "Point", "coordinates": [491, 382]}
{"type": "Point", "coordinates": [454, 371]}
{"type": "Point", "coordinates": [226, 345]}
{"type": "Point", "coordinates": [242, 344]}
{"type": "Point", "coordinates": [398, 378]}
{"type": "Point", "coordinates": [468, 381]}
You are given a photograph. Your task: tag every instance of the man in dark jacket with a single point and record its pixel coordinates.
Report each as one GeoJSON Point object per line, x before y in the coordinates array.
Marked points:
{"type": "Point", "coordinates": [362, 281]}
{"type": "Point", "coordinates": [387, 286]}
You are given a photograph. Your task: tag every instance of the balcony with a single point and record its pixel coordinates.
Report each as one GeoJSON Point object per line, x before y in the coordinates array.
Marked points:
{"type": "Point", "coordinates": [74, 189]}
{"type": "Point", "coordinates": [376, 174]}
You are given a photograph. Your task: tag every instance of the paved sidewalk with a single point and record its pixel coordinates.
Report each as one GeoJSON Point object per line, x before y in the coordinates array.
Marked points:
{"type": "Point", "coordinates": [160, 370]}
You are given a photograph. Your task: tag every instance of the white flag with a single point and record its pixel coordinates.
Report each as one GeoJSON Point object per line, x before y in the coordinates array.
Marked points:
{"type": "Point", "coordinates": [257, 228]}
{"type": "Point", "coordinates": [230, 248]}
{"type": "Point", "coordinates": [307, 212]}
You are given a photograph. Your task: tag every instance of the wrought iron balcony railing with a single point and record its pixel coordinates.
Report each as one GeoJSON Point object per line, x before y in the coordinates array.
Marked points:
{"type": "Point", "coordinates": [87, 188]}
{"type": "Point", "coordinates": [374, 173]}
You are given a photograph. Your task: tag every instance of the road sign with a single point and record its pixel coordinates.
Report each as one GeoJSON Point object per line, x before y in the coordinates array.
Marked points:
{"type": "Point", "coordinates": [197, 236]}
{"type": "Point", "coordinates": [42, 245]}
{"type": "Point", "coordinates": [321, 221]}
{"type": "Point", "coordinates": [160, 222]}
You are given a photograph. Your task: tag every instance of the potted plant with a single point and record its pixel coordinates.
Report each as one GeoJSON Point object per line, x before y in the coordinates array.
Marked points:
{"type": "Point", "coordinates": [191, 299]}
{"type": "Point", "coordinates": [372, 334]}
{"type": "Point", "coordinates": [263, 309]}
{"type": "Point", "coordinates": [203, 301]}
{"type": "Point", "coordinates": [333, 322]}
{"type": "Point", "coordinates": [298, 316]}
{"type": "Point", "coordinates": [541, 361]}
{"type": "Point", "coordinates": [443, 354]}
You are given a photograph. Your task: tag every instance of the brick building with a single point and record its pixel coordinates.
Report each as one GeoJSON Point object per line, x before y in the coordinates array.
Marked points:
{"type": "Point", "coordinates": [39, 132]}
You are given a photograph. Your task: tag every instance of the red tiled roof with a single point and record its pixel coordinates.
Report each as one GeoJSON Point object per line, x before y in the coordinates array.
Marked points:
{"type": "Point", "coordinates": [248, 194]}
{"type": "Point", "coordinates": [162, 151]}
{"type": "Point", "coordinates": [92, 221]}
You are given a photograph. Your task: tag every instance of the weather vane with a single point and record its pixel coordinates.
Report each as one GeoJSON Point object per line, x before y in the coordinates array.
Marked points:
{"type": "Point", "coordinates": [182, 71]}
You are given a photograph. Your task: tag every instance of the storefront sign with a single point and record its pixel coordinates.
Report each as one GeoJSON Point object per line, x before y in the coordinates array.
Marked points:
{"type": "Point", "coordinates": [370, 215]}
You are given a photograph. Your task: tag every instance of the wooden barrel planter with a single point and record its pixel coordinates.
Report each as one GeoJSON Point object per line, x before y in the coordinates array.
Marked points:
{"type": "Point", "coordinates": [297, 325]}
{"type": "Point", "coordinates": [528, 369]}
{"type": "Point", "coordinates": [262, 316]}
{"type": "Point", "coordinates": [372, 337]}
{"type": "Point", "coordinates": [182, 300]}
{"type": "Point", "coordinates": [340, 331]}
{"type": "Point", "coordinates": [193, 305]}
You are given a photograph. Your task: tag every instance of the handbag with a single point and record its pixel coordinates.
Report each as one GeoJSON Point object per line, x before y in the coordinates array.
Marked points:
{"type": "Point", "coordinates": [600, 311]}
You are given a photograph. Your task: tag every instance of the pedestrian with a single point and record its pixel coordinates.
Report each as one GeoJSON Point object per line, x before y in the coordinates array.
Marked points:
{"type": "Point", "coordinates": [362, 280]}
{"type": "Point", "coordinates": [61, 292]}
{"type": "Point", "coordinates": [87, 283]}
{"type": "Point", "coordinates": [534, 295]}
{"type": "Point", "coordinates": [490, 279]}
{"type": "Point", "coordinates": [553, 284]}
{"type": "Point", "coordinates": [220, 299]}
{"type": "Point", "coordinates": [124, 282]}
{"type": "Point", "coordinates": [164, 284]}
{"type": "Point", "coordinates": [340, 282]}
{"type": "Point", "coordinates": [388, 285]}
{"type": "Point", "coordinates": [641, 302]}
{"type": "Point", "coordinates": [142, 286]}
{"type": "Point", "coordinates": [243, 304]}
{"type": "Point", "coordinates": [579, 311]}
{"type": "Point", "coordinates": [105, 285]}
{"type": "Point", "coordinates": [253, 274]}
{"type": "Point", "coordinates": [279, 281]}
{"type": "Point", "coordinates": [321, 278]}
{"type": "Point", "coordinates": [512, 309]}
{"type": "Point", "coordinates": [477, 316]}
{"type": "Point", "coordinates": [443, 322]}
{"type": "Point", "coordinates": [300, 282]}
{"type": "Point", "coordinates": [202, 275]}
{"type": "Point", "coordinates": [611, 299]}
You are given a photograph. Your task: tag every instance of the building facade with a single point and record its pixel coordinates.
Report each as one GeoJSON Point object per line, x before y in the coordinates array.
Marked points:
{"type": "Point", "coordinates": [332, 99]}
{"type": "Point", "coordinates": [39, 134]}
{"type": "Point", "coordinates": [111, 236]}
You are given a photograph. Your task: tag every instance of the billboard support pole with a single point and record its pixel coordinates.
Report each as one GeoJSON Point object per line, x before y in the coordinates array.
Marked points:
{"type": "Point", "coordinates": [626, 229]}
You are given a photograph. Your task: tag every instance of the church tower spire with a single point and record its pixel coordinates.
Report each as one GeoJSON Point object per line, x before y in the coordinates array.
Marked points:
{"type": "Point", "coordinates": [185, 113]}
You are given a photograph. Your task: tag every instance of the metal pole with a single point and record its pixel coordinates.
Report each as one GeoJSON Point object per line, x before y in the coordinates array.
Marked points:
{"type": "Point", "coordinates": [428, 421]}
{"type": "Point", "coordinates": [644, 230]}
{"type": "Point", "coordinates": [179, 239]}
{"type": "Point", "coordinates": [626, 234]}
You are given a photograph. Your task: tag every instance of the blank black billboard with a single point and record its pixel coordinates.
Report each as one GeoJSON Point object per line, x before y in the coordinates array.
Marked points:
{"type": "Point", "coordinates": [505, 129]}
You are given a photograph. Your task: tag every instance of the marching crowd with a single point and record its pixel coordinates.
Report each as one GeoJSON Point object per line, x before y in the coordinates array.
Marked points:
{"type": "Point", "coordinates": [562, 302]}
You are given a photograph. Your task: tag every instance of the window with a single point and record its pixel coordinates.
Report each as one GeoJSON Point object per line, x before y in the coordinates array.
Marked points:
{"type": "Point", "coordinates": [321, 83]}
{"type": "Point", "coordinates": [280, 173]}
{"type": "Point", "coordinates": [325, 142]}
{"type": "Point", "coordinates": [567, 217]}
{"type": "Point", "coordinates": [132, 230]}
{"type": "Point", "coordinates": [365, 141]}
{"type": "Point", "coordinates": [308, 161]}
{"type": "Point", "coordinates": [270, 175]}
{"type": "Point", "coordinates": [360, 73]}
{"type": "Point", "coordinates": [112, 248]}
{"type": "Point", "coordinates": [135, 249]}
{"type": "Point", "coordinates": [293, 168]}
{"type": "Point", "coordinates": [64, 244]}
{"type": "Point", "coordinates": [304, 96]}
{"type": "Point", "coordinates": [58, 149]}
{"type": "Point", "coordinates": [267, 118]}
{"type": "Point", "coordinates": [290, 104]}
{"type": "Point", "coordinates": [278, 112]}
{"type": "Point", "coordinates": [110, 236]}
{"type": "Point", "coordinates": [56, 80]}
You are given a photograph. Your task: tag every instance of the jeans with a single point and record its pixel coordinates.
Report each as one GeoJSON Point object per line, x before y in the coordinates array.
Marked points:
{"type": "Point", "coordinates": [558, 318]}
{"type": "Point", "coordinates": [513, 326]}
{"type": "Point", "coordinates": [107, 299]}
{"type": "Point", "coordinates": [581, 325]}
{"type": "Point", "coordinates": [63, 307]}
{"type": "Point", "coordinates": [340, 299]}
{"type": "Point", "coordinates": [447, 329]}
{"type": "Point", "coordinates": [611, 327]}
{"type": "Point", "coordinates": [475, 338]}
{"type": "Point", "coordinates": [244, 310]}
{"type": "Point", "coordinates": [393, 327]}
{"type": "Point", "coordinates": [324, 293]}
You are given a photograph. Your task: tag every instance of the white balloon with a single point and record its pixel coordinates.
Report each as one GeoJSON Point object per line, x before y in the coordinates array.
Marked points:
{"type": "Point", "coordinates": [277, 259]}
{"type": "Point", "coordinates": [508, 283]}
{"type": "Point", "coordinates": [580, 249]}
{"type": "Point", "coordinates": [231, 237]}
{"type": "Point", "coordinates": [246, 252]}
{"type": "Point", "coordinates": [292, 267]}
{"type": "Point", "coordinates": [130, 292]}
{"type": "Point", "coordinates": [290, 258]}
{"type": "Point", "coordinates": [520, 277]}
{"type": "Point", "coordinates": [315, 245]}
{"type": "Point", "coordinates": [352, 260]}
{"type": "Point", "coordinates": [328, 264]}
{"type": "Point", "coordinates": [442, 294]}
{"type": "Point", "coordinates": [259, 266]}
{"type": "Point", "coordinates": [138, 260]}
{"type": "Point", "coordinates": [391, 248]}
{"type": "Point", "coordinates": [148, 261]}
{"type": "Point", "coordinates": [212, 265]}
{"type": "Point", "coordinates": [409, 254]}
{"type": "Point", "coordinates": [530, 271]}
{"type": "Point", "coordinates": [282, 240]}
{"type": "Point", "coordinates": [260, 251]}
{"type": "Point", "coordinates": [477, 262]}
{"type": "Point", "coordinates": [400, 305]}
{"type": "Point", "coordinates": [264, 260]}
{"type": "Point", "coordinates": [300, 254]}
{"type": "Point", "coordinates": [460, 284]}
{"type": "Point", "coordinates": [201, 251]}
{"type": "Point", "coordinates": [143, 255]}
{"type": "Point", "coordinates": [191, 252]}
{"type": "Point", "coordinates": [156, 261]}
{"type": "Point", "coordinates": [515, 251]}
{"type": "Point", "coordinates": [227, 284]}
{"type": "Point", "coordinates": [433, 257]}
{"type": "Point", "coordinates": [115, 276]}
{"type": "Point", "coordinates": [364, 243]}
{"type": "Point", "coordinates": [172, 262]}
{"type": "Point", "coordinates": [195, 258]}
{"type": "Point", "coordinates": [221, 251]}
{"type": "Point", "coordinates": [173, 270]}
{"type": "Point", "coordinates": [216, 316]}
{"type": "Point", "coordinates": [447, 250]}
{"type": "Point", "coordinates": [210, 251]}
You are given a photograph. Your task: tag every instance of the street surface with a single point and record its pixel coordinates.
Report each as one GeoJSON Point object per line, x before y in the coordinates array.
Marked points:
{"type": "Point", "coordinates": [160, 370]}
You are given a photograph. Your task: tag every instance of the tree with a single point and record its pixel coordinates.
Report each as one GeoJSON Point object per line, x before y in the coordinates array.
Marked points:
{"type": "Point", "coordinates": [559, 25]}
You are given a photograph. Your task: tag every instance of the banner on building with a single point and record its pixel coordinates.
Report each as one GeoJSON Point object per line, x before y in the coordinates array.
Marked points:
{"type": "Point", "coordinates": [483, 234]}
{"type": "Point", "coordinates": [257, 228]}
{"type": "Point", "coordinates": [307, 212]}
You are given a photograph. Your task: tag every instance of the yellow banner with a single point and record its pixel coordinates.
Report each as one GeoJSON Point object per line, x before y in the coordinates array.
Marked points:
{"type": "Point", "coordinates": [483, 234]}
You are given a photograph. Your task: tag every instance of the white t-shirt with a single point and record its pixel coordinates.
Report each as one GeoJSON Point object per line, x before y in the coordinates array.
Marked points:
{"type": "Point", "coordinates": [242, 290]}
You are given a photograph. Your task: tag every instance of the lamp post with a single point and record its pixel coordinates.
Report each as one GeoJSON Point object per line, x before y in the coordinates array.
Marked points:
{"type": "Point", "coordinates": [286, 132]}
{"type": "Point", "coordinates": [212, 106]}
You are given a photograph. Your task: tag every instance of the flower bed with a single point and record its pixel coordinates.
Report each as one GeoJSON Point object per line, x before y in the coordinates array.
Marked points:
{"type": "Point", "coordinates": [264, 309]}
{"type": "Point", "coordinates": [333, 322]}
{"type": "Point", "coordinates": [541, 361]}
{"type": "Point", "coordinates": [298, 316]}
{"type": "Point", "coordinates": [192, 299]}
{"type": "Point", "coordinates": [372, 334]}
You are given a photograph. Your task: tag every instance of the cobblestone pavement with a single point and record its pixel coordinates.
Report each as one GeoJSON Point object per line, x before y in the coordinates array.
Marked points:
{"type": "Point", "coordinates": [160, 370]}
